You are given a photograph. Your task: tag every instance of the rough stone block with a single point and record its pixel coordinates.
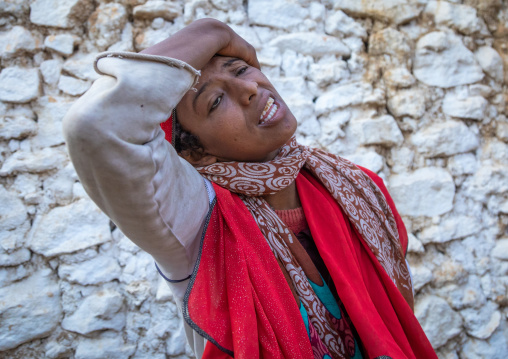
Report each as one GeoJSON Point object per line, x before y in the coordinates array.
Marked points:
{"type": "Point", "coordinates": [62, 43]}
{"type": "Point", "coordinates": [40, 161]}
{"type": "Point", "coordinates": [69, 229]}
{"type": "Point", "coordinates": [424, 192]}
{"type": "Point", "coordinates": [158, 8]}
{"type": "Point", "coordinates": [276, 13]}
{"type": "Point", "coordinates": [339, 24]}
{"type": "Point", "coordinates": [311, 44]}
{"type": "Point", "coordinates": [442, 60]}
{"type": "Point", "coordinates": [29, 309]}
{"type": "Point", "coordinates": [445, 139]}
{"type": "Point", "coordinates": [438, 320]}
{"type": "Point", "coordinates": [491, 62]}
{"type": "Point", "coordinates": [472, 107]}
{"type": "Point", "coordinates": [57, 13]}
{"type": "Point", "coordinates": [19, 85]}
{"type": "Point", "coordinates": [407, 102]}
{"type": "Point", "coordinates": [397, 11]}
{"type": "Point", "coordinates": [377, 131]}
{"type": "Point", "coordinates": [98, 311]}
{"type": "Point", "coordinates": [18, 40]}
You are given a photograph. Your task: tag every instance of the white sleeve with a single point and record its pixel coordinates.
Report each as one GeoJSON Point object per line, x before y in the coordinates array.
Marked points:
{"type": "Point", "coordinates": [126, 166]}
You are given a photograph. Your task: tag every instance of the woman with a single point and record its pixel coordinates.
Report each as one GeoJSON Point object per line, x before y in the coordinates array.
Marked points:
{"type": "Point", "coordinates": [272, 250]}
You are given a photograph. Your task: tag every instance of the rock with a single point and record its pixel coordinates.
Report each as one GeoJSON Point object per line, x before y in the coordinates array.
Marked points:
{"type": "Point", "coordinates": [106, 24]}
{"type": "Point", "coordinates": [60, 185]}
{"type": "Point", "coordinates": [99, 348]}
{"type": "Point", "coordinates": [495, 151]}
{"type": "Point", "coordinates": [99, 311]}
{"type": "Point", "coordinates": [277, 13]}
{"type": "Point", "coordinates": [81, 66]}
{"type": "Point", "coordinates": [469, 295]}
{"type": "Point", "coordinates": [12, 211]}
{"type": "Point", "coordinates": [489, 179]}
{"type": "Point", "coordinates": [62, 14]}
{"type": "Point", "coordinates": [40, 161]}
{"type": "Point", "coordinates": [458, 16]}
{"type": "Point", "coordinates": [495, 347]}
{"type": "Point", "coordinates": [73, 86]}
{"type": "Point", "coordinates": [442, 60]}
{"type": "Point", "coordinates": [421, 276]}
{"type": "Point", "coordinates": [500, 251]}
{"type": "Point", "coordinates": [438, 320]}
{"type": "Point", "coordinates": [69, 229]}
{"type": "Point", "coordinates": [176, 343]}
{"type": "Point", "coordinates": [50, 111]}
{"type": "Point", "coordinates": [59, 13]}
{"type": "Point", "coordinates": [472, 107]}
{"type": "Point", "coordinates": [294, 64]}
{"type": "Point", "coordinates": [164, 293]}
{"type": "Point", "coordinates": [462, 164]}
{"type": "Point", "coordinates": [14, 258]}
{"type": "Point", "coordinates": [398, 77]}
{"type": "Point", "coordinates": [308, 131]}
{"type": "Point", "coordinates": [101, 269]}
{"type": "Point", "coordinates": [30, 309]}
{"type": "Point", "coordinates": [425, 192]}
{"type": "Point", "coordinates": [369, 159]}
{"type": "Point", "coordinates": [482, 322]}
{"type": "Point", "coordinates": [311, 44]}
{"type": "Point", "coordinates": [339, 24]}
{"type": "Point", "coordinates": [445, 139]}
{"type": "Point", "coordinates": [9, 275]}
{"type": "Point", "coordinates": [407, 102]}
{"type": "Point", "coordinates": [324, 74]}
{"type": "Point", "coordinates": [397, 11]}
{"type": "Point", "coordinates": [451, 228]}
{"type": "Point", "coordinates": [18, 40]}
{"type": "Point", "coordinates": [18, 8]}
{"type": "Point", "coordinates": [414, 245]}
{"type": "Point", "coordinates": [126, 40]}
{"type": "Point", "coordinates": [13, 239]}
{"type": "Point", "coordinates": [50, 71]}
{"type": "Point", "coordinates": [331, 126]}
{"type": "Point", "coordinates": [19, 85]}
{"type": "Point", "coordinates": [62, 44]}
{"type": "Point", "coordinates": [17, 127]}
{"type": "Point", "coordinates": [390, 42]}
{"type": "Point", "coordinates": [382, 130]}
{"type": "Point", "coordinates": [296, 94]}
{"type": "Point", "coordinates": [158, 8]}
{"type": "Point", "coordinates": [491, 62]}
{"type": "Point", "coordinates": [342, 96]}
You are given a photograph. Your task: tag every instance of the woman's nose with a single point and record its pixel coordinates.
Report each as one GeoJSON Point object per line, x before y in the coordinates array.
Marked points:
{"type": "Point", "coordinates": [246, 91]}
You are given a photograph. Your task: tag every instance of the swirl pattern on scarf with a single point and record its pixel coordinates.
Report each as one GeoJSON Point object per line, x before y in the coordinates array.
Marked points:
{"type": "Point", "coordinates": [359, 197]}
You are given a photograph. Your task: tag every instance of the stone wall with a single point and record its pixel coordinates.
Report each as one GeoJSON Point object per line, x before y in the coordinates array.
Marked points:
{"type": "Point", "coordinates": [415, 90]}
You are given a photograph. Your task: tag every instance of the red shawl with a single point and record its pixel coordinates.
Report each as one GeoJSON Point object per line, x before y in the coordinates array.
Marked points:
{"type": "Point", "coordinates": [240, 301]}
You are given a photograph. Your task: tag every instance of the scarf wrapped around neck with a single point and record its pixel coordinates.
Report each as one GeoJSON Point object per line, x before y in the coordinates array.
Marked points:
{"type": "Point", "coordinates": [358, 196]}
{"type": "Point", "coordinates": [366, 208]}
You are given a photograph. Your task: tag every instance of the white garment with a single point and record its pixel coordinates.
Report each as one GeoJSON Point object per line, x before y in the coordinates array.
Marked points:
{"type": "Point", "coordinates": [131, 172]}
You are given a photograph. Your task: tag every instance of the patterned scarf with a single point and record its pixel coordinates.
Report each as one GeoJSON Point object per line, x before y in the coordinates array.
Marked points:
{"type": "Point", "coordinates": [359, 197]}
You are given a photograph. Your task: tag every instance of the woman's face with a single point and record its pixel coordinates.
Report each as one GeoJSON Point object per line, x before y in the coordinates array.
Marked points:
{"type": "Point", "coordinates": [236, 113]}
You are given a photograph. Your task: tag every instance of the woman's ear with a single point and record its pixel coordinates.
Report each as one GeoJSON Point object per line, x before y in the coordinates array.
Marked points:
{"type": "Point", "coordinates": [198, 159]}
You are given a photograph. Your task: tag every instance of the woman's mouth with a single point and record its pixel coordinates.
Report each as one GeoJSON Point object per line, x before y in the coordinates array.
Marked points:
{"type": "Point", "coordinates": [269, 111]}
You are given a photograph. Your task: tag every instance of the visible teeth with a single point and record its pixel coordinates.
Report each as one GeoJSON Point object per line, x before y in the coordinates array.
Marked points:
{"type": "Point", "coordinates": [270, 115]}
{"type": "Point", "coordinates": [267, 107]}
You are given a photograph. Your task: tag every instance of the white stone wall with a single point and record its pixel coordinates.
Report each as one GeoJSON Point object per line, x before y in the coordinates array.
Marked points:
{"type": "Point", "coordinates": [416, 90]}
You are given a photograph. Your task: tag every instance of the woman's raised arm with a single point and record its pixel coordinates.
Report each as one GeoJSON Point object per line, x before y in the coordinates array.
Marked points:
{"type": "Point", "coordinates": [118, 149]}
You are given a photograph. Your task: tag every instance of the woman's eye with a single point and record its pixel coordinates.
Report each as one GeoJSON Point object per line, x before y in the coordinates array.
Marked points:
{"type": "Point", "coordinates": [216, 102]}
{"type": "Point", "coordinates": [241, 70]}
